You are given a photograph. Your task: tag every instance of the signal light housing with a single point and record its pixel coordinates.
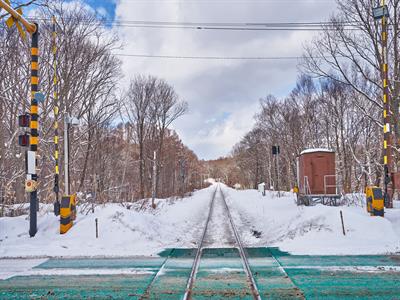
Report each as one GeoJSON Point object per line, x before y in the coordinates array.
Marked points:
{"type": "Point", "coordinates": [276, 150]}
{"type": "Point", "coordinates": [23, 140]}
{"type": "Point", "coordinates": [23, 120]}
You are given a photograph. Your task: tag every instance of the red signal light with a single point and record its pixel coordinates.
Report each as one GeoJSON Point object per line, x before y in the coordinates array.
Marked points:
{"type": "Point", "coordinates": [23, 120]}
{"type": "Point", "coordinates": [23, 140]}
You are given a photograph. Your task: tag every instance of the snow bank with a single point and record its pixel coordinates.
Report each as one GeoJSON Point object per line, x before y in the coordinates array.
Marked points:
{"type": "Point", "coordinates": [122, 231]}
{"type": "Point", "coordinates": [312, 230]}
{"type": "Point", "coordinates": [262, 221]}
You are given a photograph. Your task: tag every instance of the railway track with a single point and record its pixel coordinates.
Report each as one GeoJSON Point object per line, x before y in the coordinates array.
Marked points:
{"type": "Point", "coordinates": [196, 263]}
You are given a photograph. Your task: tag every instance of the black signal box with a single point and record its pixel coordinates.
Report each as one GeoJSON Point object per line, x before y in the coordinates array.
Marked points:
{"type": "Point", "coordinates": [275, 150]}
{"type": "Point", "coordinates": [23, 120]}
{"type": "Point", "coordinates": [23, 140]}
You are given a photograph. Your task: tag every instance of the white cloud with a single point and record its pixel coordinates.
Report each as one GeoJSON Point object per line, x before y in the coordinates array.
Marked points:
{"type": "Point", "coordinates": [222, 94]}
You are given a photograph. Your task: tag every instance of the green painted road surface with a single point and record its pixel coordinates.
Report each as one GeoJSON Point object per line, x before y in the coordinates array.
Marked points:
{"type": "Point", "coordinates": [278, 275]}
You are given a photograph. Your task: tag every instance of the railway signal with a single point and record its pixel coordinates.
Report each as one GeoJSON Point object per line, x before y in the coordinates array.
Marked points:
{"type": "Point", "coordinates": [23, 122]}
{"type": "Point", "coordinates": [16, 18]}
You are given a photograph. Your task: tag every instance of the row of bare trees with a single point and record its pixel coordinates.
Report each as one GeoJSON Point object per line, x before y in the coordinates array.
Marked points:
{"type": "Point", "coordinates": [314, 115]}
{"type": "Point", "coordinates": [151, 106]}
{"type": "Point", "coordinates": [336, 104]}
{"type": "Point", "coordinates": [112, 149]}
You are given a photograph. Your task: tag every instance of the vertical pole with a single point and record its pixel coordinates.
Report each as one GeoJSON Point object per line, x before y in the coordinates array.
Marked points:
{"type": "Point", "coordinates": [56, 111]}
{"type": "Point", "coordinates": [277, 174]}
{"type": "Point", "coordinates": [153, 194]}
{"type": "Point", "coordinates": [173, 182]}
{"type": "Point", "coordinates": [386, 111]}
{"type": "Point", "coordinates": [95, 192]}
{"type": "Point", "coordinates": [66, 155]}
{"type": "Point", "coordinates": [34, 127]}
{"type": "Point", "coordinates": [97, 228]}
{"type": "Point", "coordinates": [341, 218]}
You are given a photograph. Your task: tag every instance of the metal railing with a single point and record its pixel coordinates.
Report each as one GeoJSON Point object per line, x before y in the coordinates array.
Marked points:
{"type": "Point", "coordinates": [328, 186]}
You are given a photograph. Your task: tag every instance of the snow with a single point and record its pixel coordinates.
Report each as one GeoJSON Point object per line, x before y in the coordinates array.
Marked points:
{"type": "Point", "coordinates": [122, 231]}
{"type": "Point", "coordinates": [313, 230]}
{"type": "Point", "coordinates": [269, 221]}
{"type": "Point", "coordinates": [316, 150]}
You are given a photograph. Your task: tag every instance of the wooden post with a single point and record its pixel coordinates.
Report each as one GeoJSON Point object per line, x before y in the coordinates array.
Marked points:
{"type": "Point", "coordinates": [341, 217]}
{"type": "Point", "coordinates": [97, 228]}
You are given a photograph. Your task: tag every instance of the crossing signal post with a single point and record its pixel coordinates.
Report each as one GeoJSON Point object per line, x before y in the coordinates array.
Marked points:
{"type": "Point", "coordinates": [17, 19]}
{"type": "Point", "coordinates": [381, 13]}
{"type": "Point", "coordinates": [56, 187]}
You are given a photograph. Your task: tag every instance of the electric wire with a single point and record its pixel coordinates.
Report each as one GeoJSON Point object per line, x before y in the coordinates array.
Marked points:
{"type": "Point", "coordinates": [232, 26]}
{"type": "Point", "coordinates": [221, 57]}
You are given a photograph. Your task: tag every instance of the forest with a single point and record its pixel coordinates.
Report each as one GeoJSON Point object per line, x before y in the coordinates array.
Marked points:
{"type": "Point", "coordinates": [337, 104]}
{"type": "Point", "coordinates": [112, 149]}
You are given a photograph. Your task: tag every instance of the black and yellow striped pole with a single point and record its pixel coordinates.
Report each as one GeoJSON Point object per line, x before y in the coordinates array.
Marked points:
{"type": "Point", "coordinates": [56, 112]}
{"type": "Point", "coordinates": [382, 13]}
{"type": "Point", "coordinates": [34, 125]}
{"type": "Point", "coordinates": [31, 183]}
{"type": "Point", "coordinates": [386, 108]}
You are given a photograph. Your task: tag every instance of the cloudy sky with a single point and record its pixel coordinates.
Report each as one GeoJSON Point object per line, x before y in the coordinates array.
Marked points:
{"type": "Point", "coordinates": [223, 95]}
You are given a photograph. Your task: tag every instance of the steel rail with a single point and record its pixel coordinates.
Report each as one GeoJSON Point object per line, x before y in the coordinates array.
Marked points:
{"type": "Point", "coordinates": [146, 294]}
{"type": "Point", "coordinates": [246, 265]}
{"type": "Point", "coordinates": [282, 269]}
{"type": "Point", "coordinates": [196, 262]}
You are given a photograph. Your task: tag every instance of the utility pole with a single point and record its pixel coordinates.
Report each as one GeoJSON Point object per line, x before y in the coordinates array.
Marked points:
{"type": "Point", "coordinates": [153, 194]}
{"type": "Point", "coordinates": [66, 155]}
{"type": "Point", "coordinates": [31, 156]}
{"type": "Point", "coordinates": [68, 121]}
{"type": "Point", "coordinates": [382, 13]}
{"type": "Point", "coordinates": [182, 174]}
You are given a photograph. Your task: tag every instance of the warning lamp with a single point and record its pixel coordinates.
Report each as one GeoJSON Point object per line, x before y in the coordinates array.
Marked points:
{"type": "Point", "coordinates": [23, 120]}
{"type": "Point", "coordinates": [23, 140]}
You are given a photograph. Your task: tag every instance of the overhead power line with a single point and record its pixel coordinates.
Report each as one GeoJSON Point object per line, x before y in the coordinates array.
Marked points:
{"type": "Point", "coordinates": [216, 57]}
{"type": "Point", "coordinates": [231, 26]}
{"type": "Point", "coordinates": [210, 57]}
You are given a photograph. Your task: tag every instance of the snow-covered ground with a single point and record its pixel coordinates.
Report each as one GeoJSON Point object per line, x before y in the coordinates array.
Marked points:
{"type": "Point", "coordinates": [122, 231]}
{"type": "Point", "coordinates": [279, 222]}
{"type": "Point", "coordinates": [262, 221]}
